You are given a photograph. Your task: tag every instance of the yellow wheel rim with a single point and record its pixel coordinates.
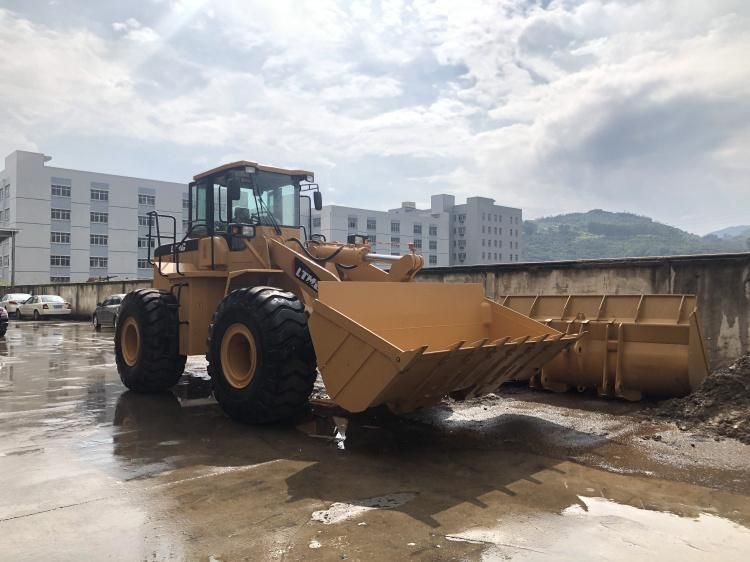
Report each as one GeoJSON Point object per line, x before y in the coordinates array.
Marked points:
{"type": "Point", "coordinates": [239, 355]}
{"type": "Point", "coordinates": [130, 340]}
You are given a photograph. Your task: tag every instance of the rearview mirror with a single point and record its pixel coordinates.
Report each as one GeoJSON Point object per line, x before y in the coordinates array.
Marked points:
{"type": "Point", "coordinates": [317, 200]}
{"type": "Point", "coordinates": [98, 304]}
{"type": "Point", "coordinates": [233, 189]}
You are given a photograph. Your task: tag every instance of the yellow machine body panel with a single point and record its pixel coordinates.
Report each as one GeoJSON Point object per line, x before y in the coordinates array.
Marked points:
{"type": "Point", "coordinates": [407, 345]}
{"type": "Point", "coordinates": [631, 345]}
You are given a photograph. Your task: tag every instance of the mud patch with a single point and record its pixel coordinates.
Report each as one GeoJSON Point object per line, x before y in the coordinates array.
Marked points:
{"type": "Point", "coordinates": [341, 511]}
{"type": "Point", "coordinates": [720, 406]}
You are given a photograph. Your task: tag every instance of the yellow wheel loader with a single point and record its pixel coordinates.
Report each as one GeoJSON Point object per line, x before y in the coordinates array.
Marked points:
{"type": "Point", "coordinates": [270, 305]}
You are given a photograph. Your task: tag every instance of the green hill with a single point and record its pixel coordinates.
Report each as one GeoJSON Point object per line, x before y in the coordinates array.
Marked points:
{"type": "Point", "coordinates": [602, 234]}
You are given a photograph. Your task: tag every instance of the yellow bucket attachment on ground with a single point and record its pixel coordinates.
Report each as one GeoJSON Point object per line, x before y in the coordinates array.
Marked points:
{"type": "Point", "coordinates": [409, 344]}
{"type": "Point", "coordinates": [632, 345]}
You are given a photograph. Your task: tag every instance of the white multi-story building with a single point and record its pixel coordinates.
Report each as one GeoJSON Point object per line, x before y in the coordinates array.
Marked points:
{"type": "Point", "coordinates": [482, 232]}
{"type": "Point", "coordinates": [390, 232]}
{"type": "Point", "coordinates": [475, 232]}
{"type": "Point", "coordinates": [60, 225]}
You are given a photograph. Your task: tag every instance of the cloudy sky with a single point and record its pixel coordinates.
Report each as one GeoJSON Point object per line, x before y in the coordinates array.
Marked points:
{"type": "Point", "coordinates": [553, 106]}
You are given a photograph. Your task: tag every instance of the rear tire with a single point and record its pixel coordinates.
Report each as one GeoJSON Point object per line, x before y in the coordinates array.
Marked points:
{"type": "Point", "coordinates": [147, 341]}
{"type": "Point", "coordinates": [269, 362]}
{"type": "Point", "coordinates": [36, 315]}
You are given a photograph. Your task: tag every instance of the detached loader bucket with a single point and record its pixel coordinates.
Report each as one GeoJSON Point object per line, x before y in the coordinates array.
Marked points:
{"type": "Point", "coordinates": [633, 345]}
{"type": "Point", "coordinates": [409, 344]}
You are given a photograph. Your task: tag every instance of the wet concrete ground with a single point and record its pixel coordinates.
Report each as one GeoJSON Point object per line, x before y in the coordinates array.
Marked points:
{"type": "Point", "coordinates": [91, 472]}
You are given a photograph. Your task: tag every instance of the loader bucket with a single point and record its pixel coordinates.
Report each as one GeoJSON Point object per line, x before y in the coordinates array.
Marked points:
{"type": "Point", "coordinates": [632, 345]}
{"type": "Point", "coordinates": [407, 345]}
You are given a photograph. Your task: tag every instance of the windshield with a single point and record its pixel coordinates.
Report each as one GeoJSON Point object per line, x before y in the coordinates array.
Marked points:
{"type": "Point", "coordinates": [278, 196]}
{"type": "Point", "coordinates": [51, 298]}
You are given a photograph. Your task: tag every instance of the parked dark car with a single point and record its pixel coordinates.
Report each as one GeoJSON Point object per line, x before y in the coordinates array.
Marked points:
{"type": "Point", "coordinates": [106, 312]}
{"type": "Point", "coordinates": [3, 322]}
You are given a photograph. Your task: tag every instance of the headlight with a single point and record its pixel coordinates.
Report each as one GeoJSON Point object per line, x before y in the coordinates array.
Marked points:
{"type": "Point", "coordinates": [310, 178]}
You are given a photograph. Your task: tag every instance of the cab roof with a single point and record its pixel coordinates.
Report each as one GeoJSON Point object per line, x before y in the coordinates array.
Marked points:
{"type": "Point", "coordinates": [245, 163]}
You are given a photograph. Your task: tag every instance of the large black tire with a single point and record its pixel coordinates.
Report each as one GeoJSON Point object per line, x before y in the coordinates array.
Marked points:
{"type": "Point", "coordinates": [95, 321]}
{"type": "Point", "coordinates": [283, 366]}
{"type": "Point", "coordinates": [151, 362]}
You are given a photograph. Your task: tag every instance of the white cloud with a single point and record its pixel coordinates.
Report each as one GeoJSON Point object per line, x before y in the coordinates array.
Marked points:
{"type": "Point", "coordinates": [134, 31]}
{"type": "Point", "coordinates": [625, 105]}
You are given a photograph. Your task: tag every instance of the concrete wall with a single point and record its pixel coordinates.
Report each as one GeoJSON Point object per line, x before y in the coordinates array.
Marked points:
{"type": "Point", "coordinates": [721, 283]}
{"type": "Point", "coordinates": [82, 296]}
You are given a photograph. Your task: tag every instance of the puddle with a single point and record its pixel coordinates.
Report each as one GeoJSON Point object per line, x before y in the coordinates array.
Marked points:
{"type": "Point", "coordinates": [600, 529]}
{"type": "Point", "coordinates": [342, 511]}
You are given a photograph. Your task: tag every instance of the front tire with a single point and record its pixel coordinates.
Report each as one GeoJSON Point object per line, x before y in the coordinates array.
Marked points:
{"type": "Point", "coordinates": [147, 341]}
{"type": "Point", "coordinates": [260, 355]}
{"type": "Point", "coordinates": [97, 326]}
{"type": "Point", "coordinates": [36, 315]}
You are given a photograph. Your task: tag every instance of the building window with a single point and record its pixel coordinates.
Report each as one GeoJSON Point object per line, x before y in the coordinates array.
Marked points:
{"type": "Point", "coordinates": [316, 221]}
{"type": "Point", "coordinates": [433, 230]}
{"type": "Point", "coordinates": [185, 203]}
{"type": "Point", "coordinates": [501, 218]}
{"type": "Point", "coordinates": [418, 243]}
{"type": "Point", "coordinates": [6, 261]}
{"type": "Point", "coordinates": [483, 216]}
{"type": "Point", "coordinates": [482, 255]}
{"type": "Point", "coordinates": [99, 217]}
{"type": "Point", "coordinates": [461, 218]}
{"type": "Point", "coordinates": [395, 241]}
{"type": "Point", "coordinates": [371, 239]}
{"type": "Point", "coordinates": [143, 242]}
{"type": "Point", "coordinates": [372, 224]}
{"type": "Point", "coordinates": [417, 228]}
{"type": "Point", "coordinates": [98, 262]}
{"type": "Point", "coordinates": [501, 256]}
{"type": "Point", "coordinates": [60, 214]}
{"type": "Point", "coordinates": [352, 223]}
{"type": "Point", "coordinates": [482, 241]}
{"type": "Point", "coordinates": [98, 239]}
{"type": "Point", "coordinates": [143, 220]}
{"type": "Point", "coordinates": [59, 237]}
{"type": "Point", "coordinates": [144, 264]}
{"type": "Point", "coordinates": [149, 200]}
{"type": "Point", "coordinates": [433, 244]}
{"type": "Point", "coordinates": [482, 229]}
{"type": "Point", "coordinates": [433, 260]}
{"type": "Point", "coordinates": [99, 195]}
{"type": "Point", "coordinates": [60, 190]}
{"type": "Point", "coordinates": [59, 279]}
{"type": "Point", "coordinates": [395, 226]}
{"type": "Point", "coordinates": [59, 261]}
{"type": "Point", "coordinates": [495, 255]}
{"type": "Point", "coordinates": [495, 230]}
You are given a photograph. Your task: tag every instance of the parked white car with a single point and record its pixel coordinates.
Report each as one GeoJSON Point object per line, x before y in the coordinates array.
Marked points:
{"type": "Point", "coordinates": [11, 301]}
{"type": "Point", "coordinates": [40, 306]}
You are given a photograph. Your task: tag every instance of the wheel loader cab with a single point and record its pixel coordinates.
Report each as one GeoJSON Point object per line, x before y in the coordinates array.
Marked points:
{"type": "Point", "coordinates": [229, 200]}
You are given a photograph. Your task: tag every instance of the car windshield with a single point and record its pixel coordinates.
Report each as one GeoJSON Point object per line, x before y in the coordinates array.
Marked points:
{"type": "Point", "coordinates": [18, 297]}
{"type": "Point", "coordinates": [52, 298]}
